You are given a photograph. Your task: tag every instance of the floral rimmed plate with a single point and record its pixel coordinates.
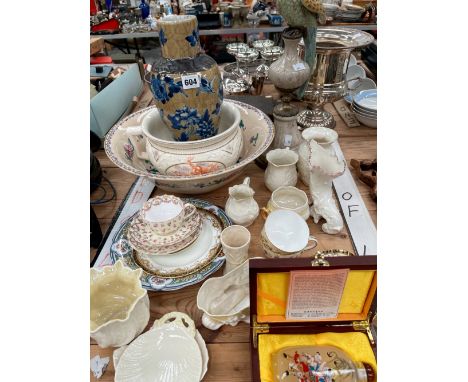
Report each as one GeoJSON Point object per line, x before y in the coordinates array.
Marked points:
{"type": "Point", "coordinates": [121, 249]}
{"type": "Point", "coordinates": [190, 259]}
{"type": "Point", "coordinates": [142, 237]}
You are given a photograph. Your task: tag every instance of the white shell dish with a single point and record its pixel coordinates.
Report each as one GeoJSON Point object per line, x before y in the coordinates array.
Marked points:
{"type": "Point", "coordinates": [165, 354]}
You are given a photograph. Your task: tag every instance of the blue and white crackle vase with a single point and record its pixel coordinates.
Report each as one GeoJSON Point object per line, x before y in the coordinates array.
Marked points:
{"type": "Point", "coordinates": [185, 82]}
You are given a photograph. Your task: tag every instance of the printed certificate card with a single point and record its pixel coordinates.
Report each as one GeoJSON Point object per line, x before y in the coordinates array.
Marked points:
{"type": "Point", "coordinates": [315, 294]}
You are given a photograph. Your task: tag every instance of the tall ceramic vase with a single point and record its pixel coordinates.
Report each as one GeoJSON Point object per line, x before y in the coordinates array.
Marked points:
{"type": "Point", "coordinates": [185, 82]}
{"type": "Point", "coordinates": [289, 71]}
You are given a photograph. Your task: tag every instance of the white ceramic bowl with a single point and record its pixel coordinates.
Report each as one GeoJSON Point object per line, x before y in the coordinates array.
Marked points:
{"type": "Point", "coordinates": [119, 309]}
{"type": "Point", "coordinates": [354, 72]}
{"type": "Point", "coordinates": [366, 112]}
{"type": "Point", "coordinates": [257, 129]}
{"type": "Point", "coordinates": [171, 157]}
{"type": "Point", "coordinates": [356, 86]}
{"type": "Point", "coordinates": [287, 230]}
{"type": "Point", "coordinates": [366, 99]}
{"type": "Point", "coordinates": [352, 60]}
{"type": "Point", "coordinates": [365, 119]}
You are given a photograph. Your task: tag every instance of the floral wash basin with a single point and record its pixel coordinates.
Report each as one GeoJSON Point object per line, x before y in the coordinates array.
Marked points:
{"type": "Point", "coordinates": [257, 129]}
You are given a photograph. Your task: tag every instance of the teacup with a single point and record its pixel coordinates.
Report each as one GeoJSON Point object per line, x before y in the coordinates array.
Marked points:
{"type": "Point", "coordinates": [286, 234]}
{"type": "Point", "coordinates": [290, 199]}
{"type": "Point", "coordinates": [166, 213]}
{"type": "Point", "coordinates": [235, 240]}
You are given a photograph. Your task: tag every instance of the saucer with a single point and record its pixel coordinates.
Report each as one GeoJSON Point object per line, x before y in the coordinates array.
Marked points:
{"type": "Point", "coordinates": [142, 238]}
{"type": "Point", "coordinates": [190, 259]}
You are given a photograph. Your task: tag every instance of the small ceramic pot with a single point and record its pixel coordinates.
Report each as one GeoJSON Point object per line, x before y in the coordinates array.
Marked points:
{"type": "Point", "coordinates": [290, 199]}
{"type": "Point", "coordinates": [165, 214]}
{"type": "Point", "coordinates": [286, 234]}
{"type": "Point", "coordinates": [281, 170]}
{"type": "Point", "coordinates": [225, 300]}
{"type": "Point", "coordinates": [235, 240]}
{"type": "Point", "coordinates": [170, 157]}
{"type": "Point", "coordinates": [119, 305]}
{"type": "Point", "coordinates": [325, 137]}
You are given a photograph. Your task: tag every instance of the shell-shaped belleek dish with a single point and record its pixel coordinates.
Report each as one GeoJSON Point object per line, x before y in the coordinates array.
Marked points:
{"type": "Point", "coordinates": [257, 130]}
{"type": "Point", "coordinates": [225, 300]}
{"type": "Point", "coordinates": [119, 305]}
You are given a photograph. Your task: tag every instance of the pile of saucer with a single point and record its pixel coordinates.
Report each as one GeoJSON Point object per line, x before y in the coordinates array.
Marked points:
{"type": "Point", "coordinates": [144, 236]}
{"type": "Point", "coordinates": [364, 107]}
{"type": "Point", "coordinates": [169, 351]}
{"type": "Point", "coordinates": [176, 242]}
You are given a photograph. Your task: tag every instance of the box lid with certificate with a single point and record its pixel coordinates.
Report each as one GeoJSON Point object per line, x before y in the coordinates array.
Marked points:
{"type": "Point", "coordinates": [320, 302]}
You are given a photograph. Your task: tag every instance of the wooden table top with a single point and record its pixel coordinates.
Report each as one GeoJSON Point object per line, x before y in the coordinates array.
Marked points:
{"type": "Point", "coordinates": [228, 347]}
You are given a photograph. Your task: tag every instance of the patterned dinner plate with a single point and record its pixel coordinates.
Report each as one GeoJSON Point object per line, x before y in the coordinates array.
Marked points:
{"type": "Point", "coordinates": [121, 249]}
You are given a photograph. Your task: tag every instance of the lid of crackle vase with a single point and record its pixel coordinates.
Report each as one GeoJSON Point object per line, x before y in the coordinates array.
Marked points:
{"type": "Point", "coordinates": [178, 35]}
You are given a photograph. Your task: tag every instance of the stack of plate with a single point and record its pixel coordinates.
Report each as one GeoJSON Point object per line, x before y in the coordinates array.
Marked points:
{"type": "Point", "coordinates": [357, 81]}
{"type": "Point", "coordinates": [364, 107]}
{"type": "Point", "coordinates": [350, 12]}
{"type": "Point", "coordinates": [331, 10]}
{"type": "Point", "coordinates": [167, 352]}
{"type": "Point", "coordinates": [174, 261]}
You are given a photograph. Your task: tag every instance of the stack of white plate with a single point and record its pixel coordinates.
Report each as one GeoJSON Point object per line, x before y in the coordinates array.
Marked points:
{"type": "Point", "coordinates": [350, 12]}
{"type": "Point", "coordinates": [364, 107]}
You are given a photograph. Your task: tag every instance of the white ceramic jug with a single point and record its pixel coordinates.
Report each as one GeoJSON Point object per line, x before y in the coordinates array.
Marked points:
{"type": "Point", "coordinates": [325, 137]}
{"type": "Point", "coordinates": [241, 206]}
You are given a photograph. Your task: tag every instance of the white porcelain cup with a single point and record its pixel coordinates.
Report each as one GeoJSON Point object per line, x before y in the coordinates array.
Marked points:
{"type": "Point", "coordinates": [288, 198]}
{"type": "Point", "coordinates": [281, 170]}
{"type": "Point", "coordinates": [235, 240]}
{"type": "Point", "coordinates": [286, 234]}
{"type": "Point", "coordinates": [166, 213]}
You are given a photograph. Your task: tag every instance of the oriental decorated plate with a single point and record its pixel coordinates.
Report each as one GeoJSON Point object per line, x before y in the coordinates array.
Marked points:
{"type": "Point", "coordinates": [121, 249]}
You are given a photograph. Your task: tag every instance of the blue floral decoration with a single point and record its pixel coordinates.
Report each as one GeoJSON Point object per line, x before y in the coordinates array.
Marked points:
{"type": "Point", "coordinates": [205, 126]}
{"type": "Point", "coordinates": [217, 109]}
{"type": "Point", "coordinates": [162, 37]}
{"type": "Point", "coordinates": [192, 123]}
{"type": "Point", "coordinates": [205, 86]}
{"type": "Point", "coordinates": [193, 38]}
{"type": "Point", "coordinates": [158, 88]}
{"type": "Point", "coordinates": [220, 90]}
{"type": "Point", "coordinates": [174, 87]}
{"type": "Point", "coordinates": [165, 88]}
